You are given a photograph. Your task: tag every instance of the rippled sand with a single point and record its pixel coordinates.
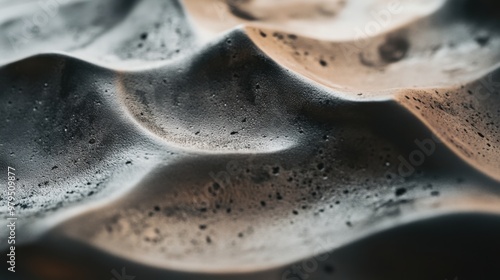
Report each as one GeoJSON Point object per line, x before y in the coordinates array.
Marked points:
{"type": "Point", "coordinates": [258, 139]}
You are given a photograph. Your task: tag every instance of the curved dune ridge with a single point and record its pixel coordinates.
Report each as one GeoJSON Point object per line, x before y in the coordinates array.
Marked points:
{"type": "Point", "coordinates": [232, 139]}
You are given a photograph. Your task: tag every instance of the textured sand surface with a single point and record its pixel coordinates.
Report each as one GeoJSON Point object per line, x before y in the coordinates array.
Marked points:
{"type": "Point", "coordinates": [239, 139]}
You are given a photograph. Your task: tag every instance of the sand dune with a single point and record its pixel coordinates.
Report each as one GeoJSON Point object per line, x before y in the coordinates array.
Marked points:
{"type": "Point", "coordinates": [227, 140]}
